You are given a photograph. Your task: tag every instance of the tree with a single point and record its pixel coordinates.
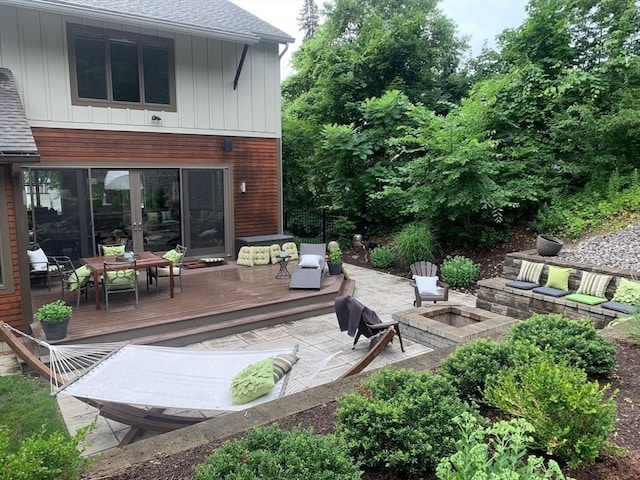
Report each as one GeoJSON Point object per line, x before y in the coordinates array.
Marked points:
{"type": "Point", "coordinates": [309, 18]}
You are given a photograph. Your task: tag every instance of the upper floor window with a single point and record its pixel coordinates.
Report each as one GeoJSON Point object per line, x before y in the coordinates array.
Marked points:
{"type": "Point", "coordinates": [112, 67]}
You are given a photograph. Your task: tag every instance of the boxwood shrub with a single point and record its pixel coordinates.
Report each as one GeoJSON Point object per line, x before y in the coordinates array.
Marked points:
{"type": "Point", "coordinates": [400, 419]}
{"type": "Point", "coordinates": [573, 341]}
{"type": "Point", "coordinates": [271, 452]}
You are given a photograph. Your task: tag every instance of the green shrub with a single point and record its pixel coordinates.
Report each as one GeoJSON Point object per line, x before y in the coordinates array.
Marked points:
{"type": "Point", "coordinates": [382, 257]}
{"type": "Point", "coordinates": [42, 456]}
{"type": "Point", "coordinates": [571, 416]}
{"type": "Point", "coordinates": [501, 458]}
{"type": "Point", "coordinates": [270, 452]}
{"type": "Point", "coordinates": [459, 271]}
{"type": "Point", "coordinates": [631, 324]}
{"type": "Point", "coordinates": [470, 365]}
{"type": "Point", "coordinates": [400, 419]}
{"type": "Point", "coordinates": [415, 243]}
{"type": "Point", "coordinates": [574, 341]}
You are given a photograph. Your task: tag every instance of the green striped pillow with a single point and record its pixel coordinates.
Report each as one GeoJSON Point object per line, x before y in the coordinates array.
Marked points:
{"type": "Point", "coordinates": [530, 272]}
{"type": "Point", "coordinates": [282, 363]}
{"type": "Point", "coordinates": [593, 284]}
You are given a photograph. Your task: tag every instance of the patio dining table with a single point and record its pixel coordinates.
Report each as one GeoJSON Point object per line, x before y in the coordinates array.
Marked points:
{"type": "Point", "coordinates": [144, 260]}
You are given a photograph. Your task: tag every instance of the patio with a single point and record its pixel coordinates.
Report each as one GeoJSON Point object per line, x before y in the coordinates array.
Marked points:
{"type": "Point", "coordinates": [214, 302]}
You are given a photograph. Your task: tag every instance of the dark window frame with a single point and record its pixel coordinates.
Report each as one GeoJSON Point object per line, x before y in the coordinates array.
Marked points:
{"type": "Point", "coordinates": [141, 41]}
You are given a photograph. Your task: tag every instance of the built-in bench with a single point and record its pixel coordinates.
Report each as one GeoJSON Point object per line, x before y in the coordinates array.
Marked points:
{"type": "Point", "coordinates": [261, 240]}
{"type": "Point", "coordinates": [495, 296]}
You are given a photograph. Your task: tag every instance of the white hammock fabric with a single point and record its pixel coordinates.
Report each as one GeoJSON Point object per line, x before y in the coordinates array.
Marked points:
{"type": "Point", "coordinates": [167, 377]}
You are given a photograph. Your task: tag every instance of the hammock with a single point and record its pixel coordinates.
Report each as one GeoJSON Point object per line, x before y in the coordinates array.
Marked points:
{"type": "Point", "coordinates": [165, 377]}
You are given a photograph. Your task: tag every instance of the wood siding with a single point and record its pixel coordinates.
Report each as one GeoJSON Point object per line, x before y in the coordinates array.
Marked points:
{"type": "Point", "coordinates": [11, 299]}
{"type": "Point", "coordinates": [252, 160]}
{"type": "Point", "coordinates": [33, 46]}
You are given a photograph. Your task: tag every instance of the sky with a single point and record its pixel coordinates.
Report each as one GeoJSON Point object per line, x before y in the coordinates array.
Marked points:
{"type": "Point", "coordinates": [479, 19]}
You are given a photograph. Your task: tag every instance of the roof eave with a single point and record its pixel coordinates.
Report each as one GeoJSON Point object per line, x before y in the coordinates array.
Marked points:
{"type": "Point", "coordinates": [111, 16]}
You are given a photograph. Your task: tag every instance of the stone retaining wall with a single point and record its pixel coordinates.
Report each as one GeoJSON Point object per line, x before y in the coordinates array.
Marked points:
{"type": "Point", "coordinates": [495, 296]}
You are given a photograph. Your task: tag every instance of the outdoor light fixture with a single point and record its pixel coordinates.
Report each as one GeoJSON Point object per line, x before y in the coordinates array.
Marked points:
{"type": "Point", "coordinates": [243, 187]}
{"type": "Point", "coordinates": [227, 145]}
{"type": "Point", "coordinates": [156, 118]}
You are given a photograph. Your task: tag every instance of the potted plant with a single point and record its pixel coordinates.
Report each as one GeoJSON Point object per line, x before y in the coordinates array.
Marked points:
{"type": "Point", "coordinates": [335, 261]}
{"type": "Point", "coordinates": [54, 318]}
{"type": "Point", "coordinates": [116, 235]}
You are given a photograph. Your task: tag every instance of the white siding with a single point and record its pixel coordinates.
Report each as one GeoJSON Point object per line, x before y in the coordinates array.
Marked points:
{"type": "Point", "coordinates": [34, 46]}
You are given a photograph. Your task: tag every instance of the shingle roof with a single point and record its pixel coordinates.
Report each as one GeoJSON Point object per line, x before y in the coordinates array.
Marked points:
{"type": "Point", "coordinates": [202, 16]}
{"type": "Point", "coordinates": [15, 133]}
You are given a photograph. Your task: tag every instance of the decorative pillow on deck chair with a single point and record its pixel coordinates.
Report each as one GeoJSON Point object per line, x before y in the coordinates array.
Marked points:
{"type": "Point", "coordinates": [309, 261]}
{"type": "Point", "coordinates": [426, 285]}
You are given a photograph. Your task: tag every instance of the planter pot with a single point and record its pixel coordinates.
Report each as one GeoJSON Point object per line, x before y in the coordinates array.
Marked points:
{"type": "Point", "coordinates": [548, 246]}
{"type": "Point", "coordinates": [55, 331]}
{"type": "Point", "coordinates": [334, 268]}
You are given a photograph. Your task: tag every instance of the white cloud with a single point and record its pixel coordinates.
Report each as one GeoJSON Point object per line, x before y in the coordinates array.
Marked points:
{"type": "Point", "coordinates": [479, 19]}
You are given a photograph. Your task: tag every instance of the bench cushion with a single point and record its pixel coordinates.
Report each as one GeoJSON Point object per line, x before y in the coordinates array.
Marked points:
{"type": "Point", "coordinates": [588, 299]}
{"type": "Point", "coordinates": [522, 285]}
{"type": "Point", "coordinates": [620, 307]}
{"type": "Point", "coordinates": [553, 292]}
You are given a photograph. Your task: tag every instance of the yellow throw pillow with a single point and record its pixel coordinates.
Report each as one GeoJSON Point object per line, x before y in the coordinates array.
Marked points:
{"type": "Point", "coordinates": [113, 250]}
{"type": "Point", "coordinates": [558, 278]}
{"type": "Point", "coordinates": [252, 382]}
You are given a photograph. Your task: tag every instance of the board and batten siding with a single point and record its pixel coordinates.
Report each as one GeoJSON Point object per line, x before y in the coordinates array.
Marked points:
{"type": "Point", "coordinates": [252, 160]}
{"type": "Point", "coordinates": [33, 45]}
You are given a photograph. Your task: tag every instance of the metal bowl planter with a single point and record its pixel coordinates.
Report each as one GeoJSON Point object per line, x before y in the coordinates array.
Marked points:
{"type": "Point", "coordinates": [548, 246]}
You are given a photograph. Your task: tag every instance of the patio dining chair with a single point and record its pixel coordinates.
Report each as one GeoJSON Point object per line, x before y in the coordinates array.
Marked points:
{"type": "Point", "coordinates": [177, 256]}
{"type": "Point", "coordinates": [42, 266]}
{"type": "Point", "coordinates": [73, 279]}
{"type": "Point", "coordinates": [119, 277]}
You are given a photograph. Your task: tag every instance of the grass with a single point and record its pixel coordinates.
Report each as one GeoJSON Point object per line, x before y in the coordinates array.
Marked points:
{"type": "Point", "coordinates": [25, 406]}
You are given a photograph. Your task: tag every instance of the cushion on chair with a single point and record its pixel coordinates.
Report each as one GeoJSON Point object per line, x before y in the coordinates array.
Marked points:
{"type": "Point", "coordinates": [282, 363]}
{"type": "Point", "coordinates": [593, 284]}
{"type": "Point", "coordinates": [627, 292]}
{"type": "Point", "coordinates": [588, 299]}
{"type": "Point", "coordinates": [291, 249]}
{"type": "Point", "coordinates": [164, 271]}
{"type": "Point", "coordinates": [274, 251]}
{"type": "Point", "coordinates": [530, 272]}
{"type": "Point", "coordinates": [552, 292]}
{"type": "Point", "coordinates": [121, 279]}
{"type": "Point", "coordinates": [261, 255]}
{"type": "Point", "coordinates": [310, 261]}
{"type": "Point", "coordinates": [38, 259]}
{"type": "Point", "coordinates": [558, 277]}
{"type": "Point", "coordinates": [173, 256]}
{"type": "Point", "coordinates": [620, 307]}
{"type": "Point", "coordinates": [426, 285]}
{"type": "Point", "coordinates": [252, 382]}
{"type": "Point", "coordinates": [521, 285]}
{"type": "Point", "coordinates": [115, 250]}
{"type": "Point", "coordinates": [245, 256]}
{"type": "Point", "coordinates": [81, 278]}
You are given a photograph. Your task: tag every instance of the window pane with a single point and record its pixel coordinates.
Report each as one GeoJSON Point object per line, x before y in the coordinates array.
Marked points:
{"type": "Point", "coordinates": [124, 71]}
{"type": "Point", "coordinates": [90, 67]}
{"type": "Point", "coordinates": [156, 74]}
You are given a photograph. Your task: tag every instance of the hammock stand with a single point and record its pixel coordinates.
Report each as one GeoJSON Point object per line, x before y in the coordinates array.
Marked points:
{"type": "Point", "coordinates": [140, 419]}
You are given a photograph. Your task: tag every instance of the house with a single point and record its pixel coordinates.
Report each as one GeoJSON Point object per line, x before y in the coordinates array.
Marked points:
{"type": "Point", "coordinates": [158, 120]}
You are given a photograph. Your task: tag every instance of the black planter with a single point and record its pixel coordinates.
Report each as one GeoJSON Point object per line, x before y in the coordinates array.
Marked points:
{"type": "Point", "coordinates": [548, 246]}
{"type": "Point", "coordinates": [55, 331]}
{"type": "Point", "coordinates": [335, 268]}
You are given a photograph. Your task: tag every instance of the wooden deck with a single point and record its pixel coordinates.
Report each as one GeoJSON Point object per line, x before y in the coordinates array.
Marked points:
{"type": "Point", "coordinates": [214, 302]}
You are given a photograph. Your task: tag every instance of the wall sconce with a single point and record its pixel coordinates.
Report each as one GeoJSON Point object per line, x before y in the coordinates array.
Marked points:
{"type": "Point", "coordinates": [156, 118]}
{"type": "Point", "coordinates": [227, 145]}
{"type": "Point", "coordinates": [243, 187]}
